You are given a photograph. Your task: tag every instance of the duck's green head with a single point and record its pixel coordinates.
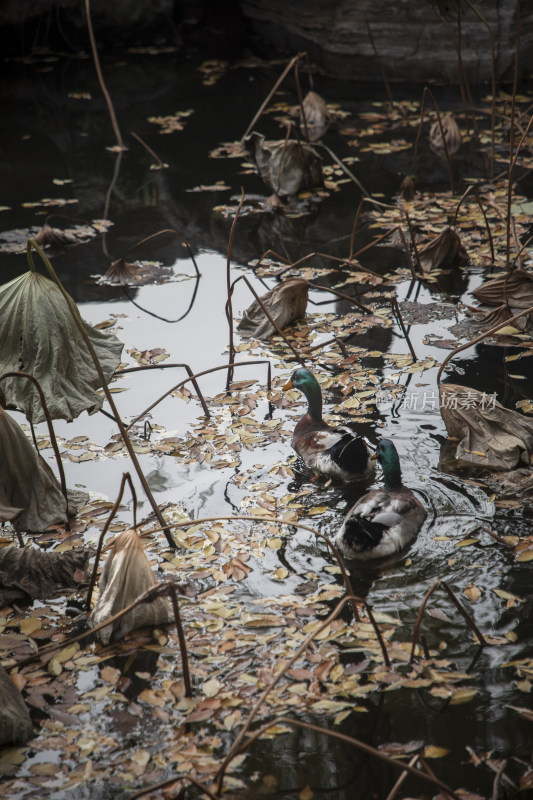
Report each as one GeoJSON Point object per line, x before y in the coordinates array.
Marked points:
{"type": "Point", "coordinates": [388, 457]}
{"type": "Point", "coordinates": [306, 382]}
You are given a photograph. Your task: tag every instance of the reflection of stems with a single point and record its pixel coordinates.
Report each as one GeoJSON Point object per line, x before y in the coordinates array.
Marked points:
{"type": "Point", "coordinates": [229, 307]}
{"type": "Point", "coordinates": [51, 432]}
{"type": "Point", "coordinates": [480, 339]}
{"type": "Point", "coordinates": [444, 143]}
{"type": "Point", "coordinates": [398, 314]}
{"type": "Point", "coordinates": [125, 477]}
{"type": "Point", "coordinates": [79, 324]}
{"type": "Point", "coordinates": [192, 378]}
{"type": "Point", "coordinates": [185, 243]}
{"type": "Point", "coordinates": [366, 748]}
{"type": "Point", "coordinates": [493, 85]}
{"type": "Point", "coordinates": [179, 777]}
{"type": "Point", "coordinates": [101, 77]}
{"type": "Point", "coordinates": [109, 192]}
{"type": "Point", "coordinates": [153, 592]}
{"type": "Point", "coordinates": [457, 604]}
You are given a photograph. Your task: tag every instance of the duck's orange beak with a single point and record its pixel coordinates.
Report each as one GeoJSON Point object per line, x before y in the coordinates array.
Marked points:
{"type": "Point", "coordinates": [373, 457]}
{"type": "Point", "coordinates": [288, 385]}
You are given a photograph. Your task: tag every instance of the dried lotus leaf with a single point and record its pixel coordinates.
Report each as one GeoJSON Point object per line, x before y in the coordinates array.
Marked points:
{"type": "Point", "coordinates": [126, 575]}
{"type": "Point", "coordinates": [39, 336]}
{"type": "Point", "coordinates": [515, 289]}
{"type": "Point", "coordinates": [15, 721]}
{"type": "Point", "coordinates": [285, 303]}
{"type": "Point", "coordinates": [286, 166]}
{"type": "Point", "coordinates": [27, 484]}
{"type": "Point", "coordinates": [444, 250]}
{"type": "Point", "coordinates": [452, 136]}
{"type": "Point", "coordinates": [29, 573]}
{"type": "Point", "coordinates": [489, 434]}
{"type": "Point", "coordinates": [51, 236]}
{"type": "Point", "coordinates": [316, 115]}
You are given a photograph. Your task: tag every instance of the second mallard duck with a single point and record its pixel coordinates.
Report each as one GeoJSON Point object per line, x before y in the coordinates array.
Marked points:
{"type": "Point", "coordinates": [383, 521]}
{"type": "Point", "coordinates": [332, 452]}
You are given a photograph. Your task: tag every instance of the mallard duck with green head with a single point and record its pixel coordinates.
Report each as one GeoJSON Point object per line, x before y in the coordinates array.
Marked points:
{"type": "Point", "coordinates": [333, 452]}
{"type": "Point", "coordinates": [383, 521]}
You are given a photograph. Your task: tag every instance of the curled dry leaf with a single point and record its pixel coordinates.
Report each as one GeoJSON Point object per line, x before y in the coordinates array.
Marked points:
{"type": "Point", "coordinates": [489, 434]}
{"type": "Point", "coordinates": [442, 251]}
{"type": "Point", "coordinates": [28, 573]}
{"type": "Point", "coordinates": [15, 722]}
{"type": "Point", "coordinates": [38, 335]}
{"type": "Point", "coordinates": [286, 166]}
{"type": "Point", "coordinates": [316, 114]}
{"type": "Point", "coordinates": [126, 575]}
{"type": "Point", "coordinates": [285, 303]}
{"type": "Point", "coordinates": [514, 289]}
{"type": "Point", "coordinates": [30, 494]}
{"type": "Point", "coordinates": [498, 316]}
{"type": "Point", "coordinates": [452, 136]}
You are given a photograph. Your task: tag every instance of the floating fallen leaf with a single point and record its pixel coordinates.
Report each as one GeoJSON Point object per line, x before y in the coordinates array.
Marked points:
{"type": "Point", "coordinates": [462, 695]}
{"type": "Point", "coordinates": [473, 593]}
{"type": "Point", "coordinates": [285, 303]}
{"type": "Point", "coordinates": [432, 751]}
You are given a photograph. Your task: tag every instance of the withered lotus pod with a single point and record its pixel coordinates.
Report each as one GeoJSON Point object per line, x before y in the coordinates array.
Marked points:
{"type": "Point", "coordinates": [452, 136]}
{"type": "Point", "coordinates": [286, 166]}
{"type": "Point", "coordinates": [126, 575]}
{"type": "Point", "coordinates": [285, 303]}
{"type": "Point", "coordinates": [407, 188]}
{"type": "Point", "coordinates": [514, 288]}
{"type": "Point", "coordinates": [38, 335]}
{"type": "Point", "coordinates": [488, 434]}
{"type": "Point", "coordinates": [30, 494]}
{"type": "Point", "coordinates": [444, 250]}
{"type": "Point", "coordinates": [316, 114]}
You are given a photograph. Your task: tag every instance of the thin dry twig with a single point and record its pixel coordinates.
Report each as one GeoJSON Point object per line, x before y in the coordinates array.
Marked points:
{"type": "Point", "coordinates": [457, 604]}
{"type": "Point", "coordinates": [125, 477]}
{"type": "Point", "coordinates": [267, 99]}
{"type": "Point", "coordinates": [101, 81]}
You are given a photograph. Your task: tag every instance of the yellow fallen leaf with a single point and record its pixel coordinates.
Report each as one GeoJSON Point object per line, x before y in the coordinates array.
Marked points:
{"type": "Point", "coordinates": [432, 751]}
{"type": "Point", "coordinates": [281, 573]}
{"type": "Point", "coordinates": [525, 555]}
{"type": "Point", "coordinates": [466, 542]}
{"type": "Point", "coordinates": [473, 593]}
{"type": "Point", "coordinates": [462, 695]}
{"type": "Point", "coordinates": [212, 687]}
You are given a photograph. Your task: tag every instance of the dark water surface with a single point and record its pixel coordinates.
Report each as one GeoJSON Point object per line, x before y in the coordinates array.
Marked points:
{"type": "Point", "coordinates": [47, 134]}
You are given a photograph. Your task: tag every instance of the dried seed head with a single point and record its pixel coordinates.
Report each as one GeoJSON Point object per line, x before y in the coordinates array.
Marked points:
{"type": "Point", "coordinates": [452, 136]}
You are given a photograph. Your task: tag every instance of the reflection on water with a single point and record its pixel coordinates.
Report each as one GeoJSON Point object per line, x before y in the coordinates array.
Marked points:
{"type": "Point", "coordinates": [51, 138]}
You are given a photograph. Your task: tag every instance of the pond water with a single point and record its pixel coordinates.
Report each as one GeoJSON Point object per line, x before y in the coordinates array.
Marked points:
{"type": "Point", "coordinates": [53, 139]}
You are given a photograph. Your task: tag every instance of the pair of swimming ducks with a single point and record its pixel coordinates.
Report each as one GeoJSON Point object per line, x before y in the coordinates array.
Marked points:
{"type": "Point", "coordinates": [383, 521]}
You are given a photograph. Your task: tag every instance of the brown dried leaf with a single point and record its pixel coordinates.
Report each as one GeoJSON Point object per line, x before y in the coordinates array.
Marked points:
{"type": "Point", "coordinates": [15, 722]}
{"type": "Point", "coordinates": [316, 114]}
{"type": "Point", "coordinates": [285, 303]}
{"type": "Point", "coordinates": [444, 250]}
{"type": "Point", "coordinates": [286, 166]}
{"type": "Point", "coordinates": [126, 575]}
{"type": "Point", "coordinates": [452, 136]}
{"type": "Point", "coordinates": [49, 235]}
{"type": "Point", "coordinates": [489, 434]}
{"type": "Point", "coordinates": [514, 289]}
{"type": "Point", "coordinates": [31, 573]}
